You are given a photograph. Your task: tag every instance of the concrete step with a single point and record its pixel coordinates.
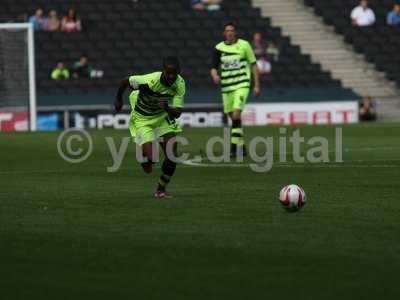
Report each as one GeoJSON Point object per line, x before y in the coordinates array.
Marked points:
{"type": "Point", "coordinates": [344, 64]}
{"type": "Point", "coordinates": [336, 54]}
{"type": "Point", "coordinates": [388, 109]}
{"type": "Point", "coordinates": [320, 46]}
{"type": "Point", "coordinates": [337, 62]}
{"type": "Point", "coordinates": [295, 18]}
{"type": "Point", "coordinates": [315, 44]}
{"type": "Point", "coordinates": [312, 36]}
{"type": "Point", "coordinates": [352, 71]}
{"type": "Point", "coordinates": [298, 30]}
{"type": "Point", "coordinates": [363, 85]}
{"type": "Point", "coordinates": [359, 80]}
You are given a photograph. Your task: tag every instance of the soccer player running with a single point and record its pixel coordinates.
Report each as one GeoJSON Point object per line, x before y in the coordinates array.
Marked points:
{"type": "Point", "coordinates": [233, 63]}
{"type": "Point", "coordinates": [156, 100]}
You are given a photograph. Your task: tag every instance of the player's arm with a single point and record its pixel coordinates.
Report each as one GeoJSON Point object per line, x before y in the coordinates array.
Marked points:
{"type": "Point", "coordinates": [118, 102]}
{"type": "Point", "coordinates": [354, 17]}
{"type": "Point", "coordinates": [256, 79]}
{"type": "Point", "coordinates": [251, 59]}
{"type": "Point", "coordinates": [215, 66]}
{"type": "Point", "coordinates": [175, 110]}
{"type": "Point", "coordinates": [134, 83]}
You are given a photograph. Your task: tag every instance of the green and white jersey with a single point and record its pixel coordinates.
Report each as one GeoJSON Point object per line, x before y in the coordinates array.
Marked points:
{"type": "Point", "coordinates": [234, 62]}
{"type": "Point", "coordinates": [151, 91]}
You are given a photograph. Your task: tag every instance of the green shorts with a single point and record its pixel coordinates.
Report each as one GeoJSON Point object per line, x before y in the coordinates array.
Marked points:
{"type": "Point", "coordinates": [235, 100]}
{"type": "Point", "coordinates": [146, 129]}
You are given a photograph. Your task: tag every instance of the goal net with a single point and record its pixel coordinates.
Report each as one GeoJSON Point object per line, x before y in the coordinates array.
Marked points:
{"type": "Point", "coordinates": [17, 77]}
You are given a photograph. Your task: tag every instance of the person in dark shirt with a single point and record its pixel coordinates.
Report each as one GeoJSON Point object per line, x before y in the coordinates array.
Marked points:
{"type": "Point", "coordinates": [258, 45]}
{"type": "Point", "coordinates": [82, 68]}
{"type": "Point", "coordinates": [367, 110]}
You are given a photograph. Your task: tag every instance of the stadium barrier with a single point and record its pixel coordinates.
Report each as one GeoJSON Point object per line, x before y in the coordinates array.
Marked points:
{"type": "Point", "coordinates": [195, 115]}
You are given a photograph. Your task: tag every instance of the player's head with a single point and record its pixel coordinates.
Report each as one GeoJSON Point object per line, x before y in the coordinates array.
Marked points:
{"type": "Point", "coordinates": [364, 3]}
{"type": "Point", "coordinates": [171, 69]}
{"type": "Point", "coordinates": [367, 100]}
{"type": "Point", "coordinates": [72, 13]}
{"type": "Point", "coordinates": [230, 32]}
{"type": "Point", "coordinates": [39, 13]}
{"type": "Point", "coordinates": [84, 59]}
{"type": "Point", "coordinates": [52, 14]}
{"type": "Point", "coordinates": [397, 8]}
{"type": "Point", "coordinates": [257, 37]}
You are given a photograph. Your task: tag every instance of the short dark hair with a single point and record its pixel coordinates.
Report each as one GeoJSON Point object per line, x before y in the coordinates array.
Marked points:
{"type": "Point", "coordinates": [172, 61]}
{"type": "Point", "coordinates": [231, 23]}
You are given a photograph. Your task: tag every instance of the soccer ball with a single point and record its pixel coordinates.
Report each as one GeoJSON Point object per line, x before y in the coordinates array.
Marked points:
{"type": "Point", "coordinates": [292, 197]}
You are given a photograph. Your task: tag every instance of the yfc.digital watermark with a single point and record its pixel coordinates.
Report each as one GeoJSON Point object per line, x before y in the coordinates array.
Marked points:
{"type": "Point", "coordinates": [76, 146]}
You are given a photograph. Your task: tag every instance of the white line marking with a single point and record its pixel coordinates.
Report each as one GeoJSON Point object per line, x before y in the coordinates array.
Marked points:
{"type": "Point", "coordinates": [192, 163]}
{"type": "Point", "coordinates": [369, 149]}
{"type": "Point", "coordinates": [289, 166]}
{"type": "Point", "coordinates": [195, 163]}
{"type": "Point", "coordinates": [198, 163]}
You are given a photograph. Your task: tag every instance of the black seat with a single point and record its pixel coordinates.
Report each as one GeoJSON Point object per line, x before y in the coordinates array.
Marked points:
{"type": "Point", "coordinates": [379, 43]}
{"type": "Point", "coordinates": [132, 36]}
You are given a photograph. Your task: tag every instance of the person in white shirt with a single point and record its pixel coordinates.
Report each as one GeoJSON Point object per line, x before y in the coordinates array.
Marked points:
{"type": "Point", "coordinates": [362, 15]}
{"type": "Point", "coordinates": [264, 65]}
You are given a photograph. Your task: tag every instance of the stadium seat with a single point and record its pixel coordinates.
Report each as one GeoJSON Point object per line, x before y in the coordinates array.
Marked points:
{"type": "Point", "coordinates": [379, 43]}
{"type": "Point", "coordinates": [127, 36]}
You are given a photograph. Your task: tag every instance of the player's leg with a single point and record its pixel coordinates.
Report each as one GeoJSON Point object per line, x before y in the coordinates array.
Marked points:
{"type": "Point", "coordinates": [167, 131]}
{"type": "Point", "coordinates": [237, 140]}
{"type": "Point", "coordinates": [237, 135]}
{"type": "Point", "coordinates": [228, 100]}
{"type": "Point", "coordinates": [142, 132]}
{"type": "Point", "coordinates": [170, 148]}
{"type": "Point", "coordinates": [148, 159]}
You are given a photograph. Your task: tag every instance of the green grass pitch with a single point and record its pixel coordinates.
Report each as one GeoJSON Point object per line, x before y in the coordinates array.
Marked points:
{"type": "Point", "coordinates": [75, 231]}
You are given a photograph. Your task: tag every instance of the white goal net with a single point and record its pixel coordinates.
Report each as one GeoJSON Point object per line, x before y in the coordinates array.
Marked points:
{"type": "Point", "coordinates": [17, 78]}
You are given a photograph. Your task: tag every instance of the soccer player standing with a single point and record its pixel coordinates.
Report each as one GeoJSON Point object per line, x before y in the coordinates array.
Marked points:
{"type": "Point", "coordinates": [156, 100]}
{"type": "Point", "coordinates": [233, 63]}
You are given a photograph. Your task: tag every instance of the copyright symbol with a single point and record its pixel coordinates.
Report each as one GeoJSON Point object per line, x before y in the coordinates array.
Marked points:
{"type": "Point", "coordinates": [74, 145]}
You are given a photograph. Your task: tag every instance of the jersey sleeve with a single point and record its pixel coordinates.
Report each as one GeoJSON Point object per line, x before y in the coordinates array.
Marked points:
{"type": "Point", "coordinates": [137, 80]}
{"type": "Point", "coordinates": [177, 101]}
{"type": "Point", "coordinates": [373, 18]}
{"type": "Point", "coordinates": [354, 13]}
{"type": "Point", "coordinates": [251, 58]}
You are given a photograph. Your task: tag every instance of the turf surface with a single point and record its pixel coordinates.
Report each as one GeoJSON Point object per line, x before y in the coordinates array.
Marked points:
{"type": "Point", "coordinates": [75, 231]}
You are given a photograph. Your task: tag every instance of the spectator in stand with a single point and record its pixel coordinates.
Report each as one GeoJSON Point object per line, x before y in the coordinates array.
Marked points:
{"type": "Point", "coordinates": [367, 110]}
{"type": "Point", "coordinates": [393, 17]}
{"type": "Point", "coordinates": [206, 4]}
{"type": "Point", "coordinates": [258, 45]}
{"type": "Point", "coordinates": [362, 15]}
{"type": "Point", "coordinates": [272, 52]}
{"type": "Point", "coordinates": [60, 72]}
{"type": "Point", "coordinates": [53, 22]}
{"type": "Point", "coordinates": [197, 5]}
{"type": "Point", "coordinates": [264, 65]}
{"type": "Point", "coordinates": [82, 68]}
{"type": "Point", "coordinates": [260, 51]}
{"type": "Point", "coordinates": [38, 20]}
{"type": "Point", "coordinates": [71, 22]}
